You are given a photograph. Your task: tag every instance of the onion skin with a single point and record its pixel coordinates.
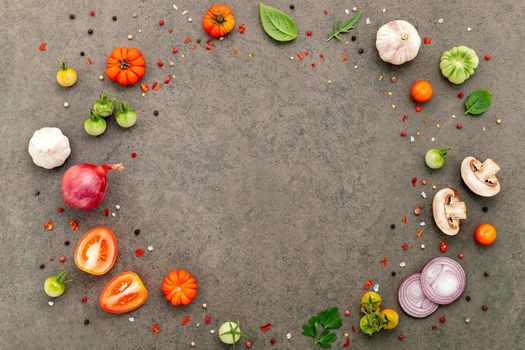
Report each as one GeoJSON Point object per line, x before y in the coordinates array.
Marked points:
{"type": "Point", "coordinates": [84, 185]}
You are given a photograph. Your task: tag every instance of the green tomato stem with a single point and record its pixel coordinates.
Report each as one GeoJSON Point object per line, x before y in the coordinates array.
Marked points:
{"type": "Point", "coordinates": [443, 152]}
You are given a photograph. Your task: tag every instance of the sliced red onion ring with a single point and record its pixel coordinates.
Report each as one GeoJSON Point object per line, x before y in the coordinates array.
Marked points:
{"type": "Point", "coordinates": [412, 299]}
{"type": "Point", "coordinates": [443, 280]}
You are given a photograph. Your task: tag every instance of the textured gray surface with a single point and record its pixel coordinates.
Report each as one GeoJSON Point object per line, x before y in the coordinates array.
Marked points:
{"type": "Point", "coordinates": [274, 188]}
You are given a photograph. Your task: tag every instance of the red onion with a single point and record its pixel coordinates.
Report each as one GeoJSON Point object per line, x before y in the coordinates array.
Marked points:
{"type": "Point", "coordinates": [443, 280]}
{"type": "Point", "coordinates": [412, 299]}
{"type": "Point", "coordinates": [84, 185]}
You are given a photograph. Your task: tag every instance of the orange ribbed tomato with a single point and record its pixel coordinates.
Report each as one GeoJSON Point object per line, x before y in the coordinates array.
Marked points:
{"type": "Point", "coordinates": [179, 287]}
{"type": "Point", "coordinates": [218, 21]}
{"type": "Point", "coordinates": [125, 66]}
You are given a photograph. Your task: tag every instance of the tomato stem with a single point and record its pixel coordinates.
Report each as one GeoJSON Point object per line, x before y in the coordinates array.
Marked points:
{"type": "Point", "coordinates": [124, 64]}
{"type": "Point", "coordinates": [219, 18]}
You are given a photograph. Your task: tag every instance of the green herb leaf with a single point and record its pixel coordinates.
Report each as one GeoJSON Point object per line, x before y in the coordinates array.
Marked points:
{"type": "Point", "coordinates": [339, 28]}
{"type": "Point", "coordinates": [277, 24]}
{"type": "Point", "coordinates": [330, 319]}
{"type": "Point", "coordinates": [310, 328]}
{"type": "Point", "coordinates": [326, 339]}
{"type": "Point", "coordinates": [478, 102]}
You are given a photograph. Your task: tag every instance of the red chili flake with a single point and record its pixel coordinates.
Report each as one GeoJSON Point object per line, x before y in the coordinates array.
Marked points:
{"type": "Point", "coordinates": [60, 209]}
{"type": "Point", "coordinates": [347, 312]}
{"type": "Point", "coordinates": [345, 57]}
{"type": "Point", "coordinates": [419, 233]}
{"type": "Point", "coordinates": [325, 12]}
{"type": "Point", "coordinates": [423, 181]}
{"type": "Point", "coordinates": [347, 343]}
{"type": "Point", "coordinates": [434, 328]}
{"type": "Point", "coordinates": [88, 61]}
{"type": "Point", "coordinates": [300, 56]}
{"type": "Point", "coordinates": [139, 252]}
{"type": "Point", "coordinates": [306, 53]}
{"type": "Point", "coordinates": [273, 341]}
{"type": "Point", "coordinates": [235, 52]}
{"type": "Point", "coordinates": [48, 225]}
{"type": "Point", "coordinates": [418, 108]}
{"type": "Point", "coordinates": [314, 65]}
{"type": "Point", "coordinates": [459, 125]}
{"type": "Point", "coordinates": [161, 22]}
{"type": "Point", "coordinates": [442, 319]}
{"type": "Point", "coordinates": [42, 47]}
{"type": "Point", "coordinates": [155, 328]}
{"type": "Point", "coordinates": [187, 39]}
{"type": "Point", "coordinates": [185, 320]}
{"type": "Point", "coordinates": [403, 134]}
{"type": "Point", "coordinates": [309, 33]}
{"type": "Point", "coordinates": [461, 255]}
{"type": "Point", "coordinates": [405, 246]}
{"type": "Point", "coordinates": [133, 154]}
{"type": "Point", "coordinates": [144, 87]}
{"type": "Point", "coordinates": [62, 259]}
{"type": "Point", "coordinates": [174, 50]}
{"type": "Point", "coordinates": [487, 57]}
{"type": "Point", "coordinates": [383, 262]}
{"type": "Point", "coordinates": [160, 63]}
{"type": "Point", "coordinates": [210, 43]}
{"type": "Point", "coordinates": [414, 181]}
{"type": "Point", "coordinates": [427, 40]}
{"type": "Point", "coordinates": [92, 13]}
{"type": "Point", "coordinates": [368, 284]}
{"type": "Point", "coordinates": [405, 117]}
{"type": "Point", "coordinates": [194, 47]}
{"type": "Point", "coordinates": [167, 80]}
{"type": "Point", "coordinates": [207, 319]}
{"type": "Point", "coordinates": [105, 212]}
{"type": "Point", "coordinates": [73, 224]}
{"type": "Point", "coordinates": [84, 299]}
{"type": "Point", "coordinates": [321, 57]}
{"type": "Point", "coordinates": [266, 327]}
{"type": "Point", "coordinates": [242, 28]}
{"type": "Point", "coordinates": [170, 30]}
{"type": "Point", "coordinates": [401, 337]}
{"type": "Point", "coordinates": [443, 246]}
{"type": "Point", "coordinates": [155, 86]}
{"type": "Point", "coordinates": [461, 94]}
{"type": "Point", "coordinates": [404, 219]}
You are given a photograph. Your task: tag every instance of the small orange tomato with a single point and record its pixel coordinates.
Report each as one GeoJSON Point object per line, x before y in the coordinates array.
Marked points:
{"type": "Point", "coordinates": [421, 91]}
{"type": "Point", "coordinates": [218, 21]}
{"type": "Point", "coordinates": [179, 287]}
{"type": "Point", "coordinates": [123, 293]}
{"type": "Point", "coordinates": [125, 66]}
{"type": "Point", "coordinates": [485, 234]}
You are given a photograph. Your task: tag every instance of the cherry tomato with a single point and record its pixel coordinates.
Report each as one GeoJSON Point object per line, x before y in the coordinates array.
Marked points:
{"type": "Point", "coordinates": [370, 301]}
{"type": "Point", "coordinates": [421, 91]}
{"type": "Point", "coordinates": [96, 251]}
{"type": "Point", "coordinates": [390, 318]}
{"type": "Point", "coordinates": [124, 293]}
{"type": "Point", "coordinates": [485, 234]}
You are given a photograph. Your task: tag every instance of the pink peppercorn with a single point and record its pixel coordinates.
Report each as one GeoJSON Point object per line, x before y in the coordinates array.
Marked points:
{"type": "Point", "coordinates": [347, 312]}
{"type": "Point", "coordinates": [84, 299]}
{"type": "Point", "coordinates": [461, 94]}
{"type": "Point", "coordinates": [92, 13]}
{"type": "Point", "coordinates": [461, 255]}
{"type": "Point", "coordinates": [459, 125]}
{"type": "Point", "coordinates": [487, 57]}
{"type": "Point", "coordinates": [309, 33]}
{"type": "Point", "coordinates": [161, 22]}
{"type": "Point", "coordinates": [248, 344]}
{"type": "Point", "coordinates": [133, 154]}
{"type": "Point", "coordinates": [60, 209]}
{"type": "Point", "coordinates": [403, 134]}
{"type": "Point", "coordinates": [325, 12]}
{"type": "Point", "coordinates": [401, 337]}
{"type": "Point", "coordinates": [442, 319]}
{"type": "Point", "coordinates": [174, 50]}
{"type": "Point", "coordinates": [273, 341]}
{"type": "Point", "coordinates": [62, 259]}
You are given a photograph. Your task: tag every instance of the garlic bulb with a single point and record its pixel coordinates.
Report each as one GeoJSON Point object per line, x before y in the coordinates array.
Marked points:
{"type": "Point", "coordinates": [49, 148]}
{"type": "Point", "coordinates": [398, 42]}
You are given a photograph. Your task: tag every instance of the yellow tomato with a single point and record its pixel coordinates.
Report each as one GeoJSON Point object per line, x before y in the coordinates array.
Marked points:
{"type": "Point", "coordinates": [66, 76]}
{"type": "Point", "coordinates": [390, 318]}
{"type": "Point", "coordinates": [371, 299]}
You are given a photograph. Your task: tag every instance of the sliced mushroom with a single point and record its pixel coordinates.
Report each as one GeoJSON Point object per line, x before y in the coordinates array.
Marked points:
{"type": "Point", "coordinates": [448, 210]}
{"type": "Point", "coordinates": [481, 177]}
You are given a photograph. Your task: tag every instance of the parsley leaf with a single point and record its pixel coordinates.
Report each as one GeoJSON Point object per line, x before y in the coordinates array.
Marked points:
{"type": "Point", "coordinates": [330, 319]}
{"type": "Point", "coordinates": [310, 328]}
{"type": "Point", "coordinates": [326, 339]}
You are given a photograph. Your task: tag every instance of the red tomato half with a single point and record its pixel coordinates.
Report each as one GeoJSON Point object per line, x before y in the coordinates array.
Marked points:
{"type": "Point", "coordinates": [124, 293]}
{"type": "Point", "coordinates": [96, 251]}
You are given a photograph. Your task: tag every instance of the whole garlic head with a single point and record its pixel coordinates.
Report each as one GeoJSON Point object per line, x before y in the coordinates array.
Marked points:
{"type": "Point", "coordinates": [49, 148]}
{"type": "Point", "coordinates": [398, 42]}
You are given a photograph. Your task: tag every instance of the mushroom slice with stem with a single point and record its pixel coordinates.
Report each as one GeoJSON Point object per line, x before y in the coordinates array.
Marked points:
{"type": "Point", "coordinates": [481, 177]}
{"type": "Point", "coordinates": [448, 210]}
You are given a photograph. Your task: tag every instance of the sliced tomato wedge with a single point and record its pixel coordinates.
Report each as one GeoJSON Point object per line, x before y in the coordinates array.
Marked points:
{"type": "Point", "coordinates": [96, 251]}
{"type": "Point", "coordinates": [123, 293]}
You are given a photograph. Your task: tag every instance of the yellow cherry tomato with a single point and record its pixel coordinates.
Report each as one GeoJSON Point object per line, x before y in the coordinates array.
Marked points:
{"type": "Point", "coordinates": [390, 318]}
{"type": "Point", "coordinates": [66, 76]}
{"type": "Point", "coordinates": [371, 300]}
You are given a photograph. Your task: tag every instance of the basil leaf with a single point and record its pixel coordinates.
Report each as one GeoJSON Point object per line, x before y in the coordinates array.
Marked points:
{"type": "Point", "coordinates": [277, 24]}
{"type": "Point", "coordinates": [326, 339]}
{"type": "Point", "coordinates": [330, 319]}
{"type": "Point", "coordinates": [478, 102]}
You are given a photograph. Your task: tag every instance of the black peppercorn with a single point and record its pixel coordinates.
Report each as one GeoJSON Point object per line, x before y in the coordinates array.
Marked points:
{"type": "Point", "coordinates": [393, 226]}
{"type": "Point", "coordinates": [37, 193]}
{"type": "Point", "coordinates": [114, 18]}
{"type": "Point", "coordinates": [90, 31]}
{"type": "Point", "coordinates": [486, 274]}
{"type": "Point", "coordinates": [361, 50]}
{"type": "Point", "coordinates": [353, 38]}
{"type": "Point", "coordinates": [155, 113]}
{"type": "Point", "coordinates": [199, 41]}
{"type": "Point", "coordinates": [71, 16]}
{"type": "Point", "coordinates": [66, 243]}
{"type": "Point", "coordinates": [485, 209]}
{"type": "Point", "coordinates": [394, 273]}
{"type": "Point", "coordinates": [485, 307]}
{"type": "Point", "coordinates": [137, 232]}
{"type": "Point", "coordinates": [467, 297]}
{"type": "Point", "coordinates": [41, 266]}
{"type": "Point", "coordinates": [292, 7]}
{"type": "Point", "coordinates": [86, 321]}
{"type": "Point", "coordinates": [82, 53]}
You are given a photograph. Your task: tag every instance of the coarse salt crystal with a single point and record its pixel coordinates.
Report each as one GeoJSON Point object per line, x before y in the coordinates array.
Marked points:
{"type": "Point", "coordinates": [204, 306]}
{"type": "Point", "coordinates": [197, 324]}
{"type": "Point", "coordinates": [150, 248]}
{"type": "Point", "coordinates": [113, 214]}
{"type": "Point", "coordinates": [375, 287]}
{"type": "Point", "coordinates": [131, 319]}
{"type": "Point", "coordinates": [422, 224]}
{"type": "Point", "coordinates": [402, 264]}
{"type": "Point", "coordinates": [412, 139]}
{"type": "Point", "coordinates": [422, 246]}
{"type": "Point", "coordinates": [354, 9]}
{"type": "Point", "coordinates": [368, 21]}
{"type": "Point", "coordinates": [433, 139]}
{"type": "Point", "coordinates": [190, 19]}
{"type": "Point", "coordinates": [384, 10]}
{"type": "Point", "coordinates": [184, 12]}
{"type": "Point", "coordinates": [66, 104]}
{"type": "Point", "coordinates": [288, 336]}
{"type": "Point", "coordinates": [117, 207]}
{"type": "Point", "coordinates": [347, 11]}
{"type": "Point", "coordinates": [440, 20]}
{"type": "Point", "coordinates": [484, 128]}
{"type": "Point", "coordinates": [175, 7]}
{"type": "Point", "coordinates": [212, 331]}
{"type": "Point", "coordinates": [423, 194]}
{"type": "Point", "coordinates": [469, 29]}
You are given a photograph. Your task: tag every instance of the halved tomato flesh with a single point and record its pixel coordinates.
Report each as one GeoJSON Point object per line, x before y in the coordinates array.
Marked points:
{"type": "Point", "coordinates": [123, 293]}
{"type": "Point", "coordinates": [96, 251]}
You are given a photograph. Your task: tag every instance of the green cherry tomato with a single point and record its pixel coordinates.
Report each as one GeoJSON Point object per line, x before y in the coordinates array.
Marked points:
{"type": "Point", "coordinates": [371, 323]}
{"type": "Point", "coordinates": [230, 332]}
{"type": "Point", "coordinates": [103, 107]}
{"type": "Point", "coordinates": [435, 158]}
{"type": "Point", "coordinates": [125, 116]}
{"type": "Point", "coordinates": [55, 286]}
{"type": "Point", "coordinates": [95, 125]}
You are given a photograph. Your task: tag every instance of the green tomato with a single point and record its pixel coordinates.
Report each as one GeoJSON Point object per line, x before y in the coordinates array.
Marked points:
{"type": "Point", "coordinates": [458, 64]}
{"type": "Point", "coordinates": [371, 323]}
{"type": "Point", "coordinates": [95, 125]}
{"type": "Point", "coordinates": [230, 332]}
{"type": "Point", "coordinates": [103, 107]}
{"type": "Point", "coordinates": [435, 158]}
{"type": "Point", "coordinates": [55, 286]}
{"type": "Point", "coordinates": [125, 116]}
